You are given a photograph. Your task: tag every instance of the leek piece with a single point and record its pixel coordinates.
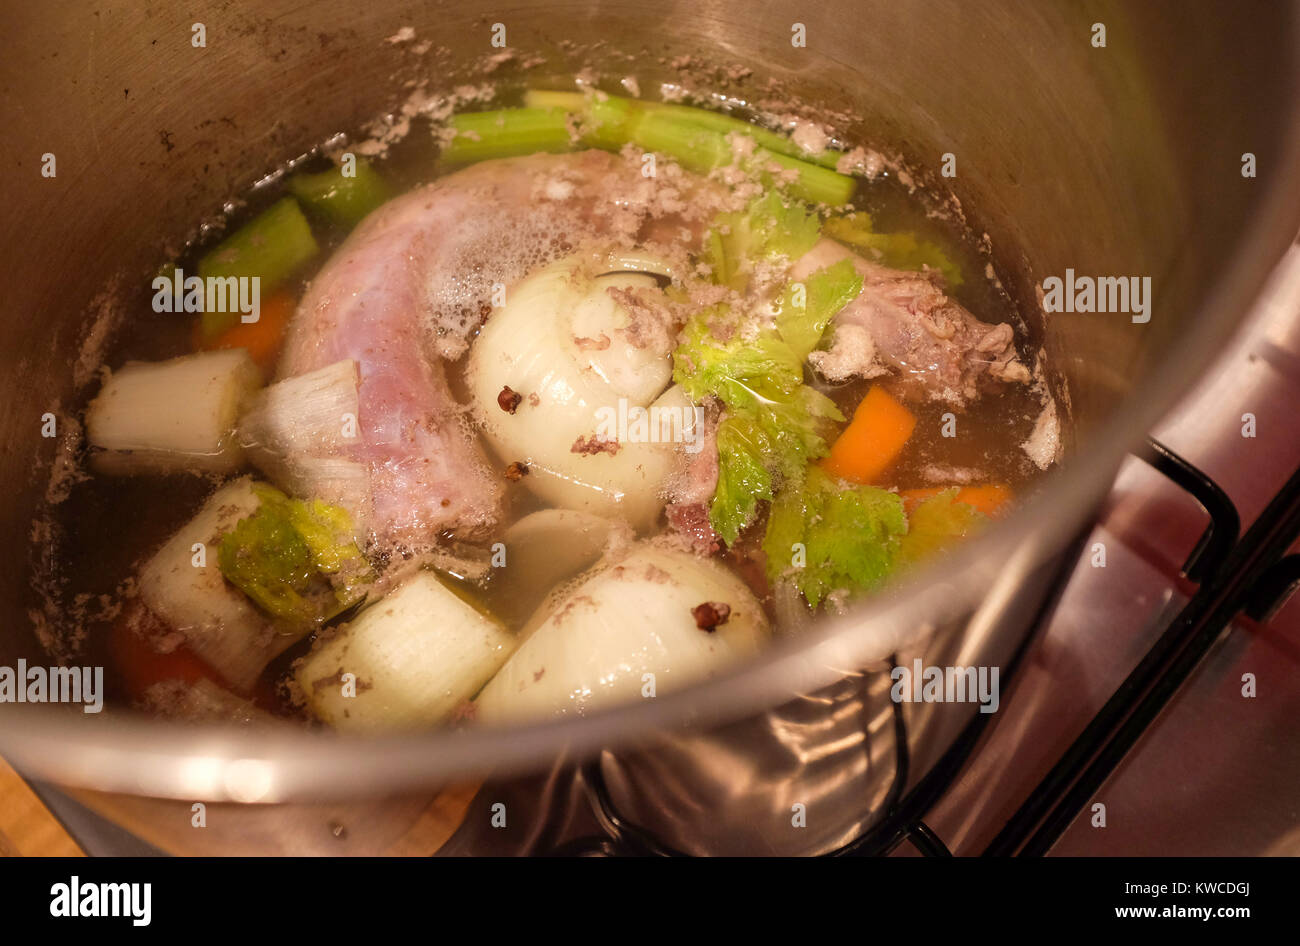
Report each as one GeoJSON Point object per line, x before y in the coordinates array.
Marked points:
{"type": "Point", "coordinates": [341, 200]}
{"type": "Point", "coordinates": [414, 657]}
{"type": "Point", "coordinates": [307, 413]}
{"type": "Point", "coordinates": [173, 415]}
{"type": "Point", "coordinates": [506, 132]}
{"type": "Point", "coordinates": [296, 559]}
{"type": "Point", "coordinates": [205, 701]}
{"type": "Point", "coordinates": [270, 248]}
{"type": "Point", "coordinates": [182, 585]}
{"type": "Point", "coordinates": [298, 432]}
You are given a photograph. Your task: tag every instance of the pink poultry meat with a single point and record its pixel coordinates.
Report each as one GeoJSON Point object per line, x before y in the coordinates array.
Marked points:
{"type": "Point", "coordinates": [407, 290]}
{"type": "Point", "coordinates": [902, 321]}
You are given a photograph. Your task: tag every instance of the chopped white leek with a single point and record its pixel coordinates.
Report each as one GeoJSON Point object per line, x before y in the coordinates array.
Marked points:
{"type": "Point", "coordinates": [295, 431]}
{"type": "Point", "coordinates": [183, 586]}
{"type": "Point", "coordinates": [204, 701]}
{"type": "Point", "coordinates": [173, 415]}
{"type": "Point", "coordinates": [407, 661]}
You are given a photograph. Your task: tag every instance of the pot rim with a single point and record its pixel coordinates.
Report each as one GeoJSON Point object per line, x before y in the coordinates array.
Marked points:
{"type": "Point", "coordinates": [210, 762]}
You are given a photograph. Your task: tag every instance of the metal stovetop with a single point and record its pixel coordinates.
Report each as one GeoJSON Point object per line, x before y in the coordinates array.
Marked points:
{"type": "Point", "coordinates": [1214, 771]}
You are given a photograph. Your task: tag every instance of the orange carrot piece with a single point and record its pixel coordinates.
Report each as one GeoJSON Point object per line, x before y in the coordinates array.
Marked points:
{"type": "Point", "coordinates": [872, 441]}
{"type": "Point", "coordinates": [991, 499]}
{"type": "Point", "coordinates": [911, 497]}
{"type": "Point", "coordinates": [263, 338]}
{"type": "Point", "coordinates": [140, 666]}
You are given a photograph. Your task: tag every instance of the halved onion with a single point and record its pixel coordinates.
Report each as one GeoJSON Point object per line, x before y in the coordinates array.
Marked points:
{"type": "Point", "coordinates": [627, 632]}
{"type": "Point", "coordinates": [561, 343]}
{"type": "Point", "coordinates": [546, 548]}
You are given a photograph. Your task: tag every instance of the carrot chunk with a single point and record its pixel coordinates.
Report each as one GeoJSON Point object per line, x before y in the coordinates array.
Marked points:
{"type": "Point", "coordinates": [264, 338]}
{"type": "Point", "coordinates": [880, 428]}
{"type": "Point", "coordinates": [992, 499]}
{"type": "Point", "coordinates": [140, 666]}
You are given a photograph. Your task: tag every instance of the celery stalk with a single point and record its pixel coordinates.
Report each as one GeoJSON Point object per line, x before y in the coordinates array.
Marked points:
{"type": "Point", "coordinates": [606, 119]}
{"type": "Point", "coordinates": [607, 122]}
{"type": "Point", "coordinates": [716, 121]}
{"type": "Point", "coordinates": [766, 138]}
{"type": "Point", "coordinates": [816, 184]}
{"type": "Point", "coordinates": [271, 247]}
{"type": "Point", "coordinates": [702, 149]}
{"type": "Point", "coordinates": [506, 132]}
{"type": "Point", "coordinates": [696, 138]}
{"type": "Point", "coordinates": [341, 200]}
{"type": "Point", "coordinates": [695, 147]}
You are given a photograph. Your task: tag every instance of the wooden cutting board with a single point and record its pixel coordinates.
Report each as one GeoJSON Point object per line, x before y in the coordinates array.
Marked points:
{"type": "Point", "coordinates": [27, 829]}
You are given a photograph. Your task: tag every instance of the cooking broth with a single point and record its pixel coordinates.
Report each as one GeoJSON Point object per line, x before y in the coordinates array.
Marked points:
{"type": "Point", "coordinates": [415, 576]}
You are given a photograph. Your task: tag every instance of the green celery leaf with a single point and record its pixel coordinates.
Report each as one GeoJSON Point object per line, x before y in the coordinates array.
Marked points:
{"type": "Point", "coordinates": [824, 293]}
{"type": "Point", "coordinates": [850, 536]}
{"type": "Point", "coordinates": [740, 370]}
{"type": "Point", "coordinates": [936, 524]}
{"type": "Point", "coordinates": [743, 476]}
{"type": "Point", "coordinates": [774, 424]}
{"type": "Point", "coordinates": [771, 227]}
{"type": "Point", "coordinates": [297, 560]}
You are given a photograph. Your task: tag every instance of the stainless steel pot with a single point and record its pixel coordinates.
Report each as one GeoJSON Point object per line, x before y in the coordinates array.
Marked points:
{"type": "Point", "coordinates": [1122, 159]}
